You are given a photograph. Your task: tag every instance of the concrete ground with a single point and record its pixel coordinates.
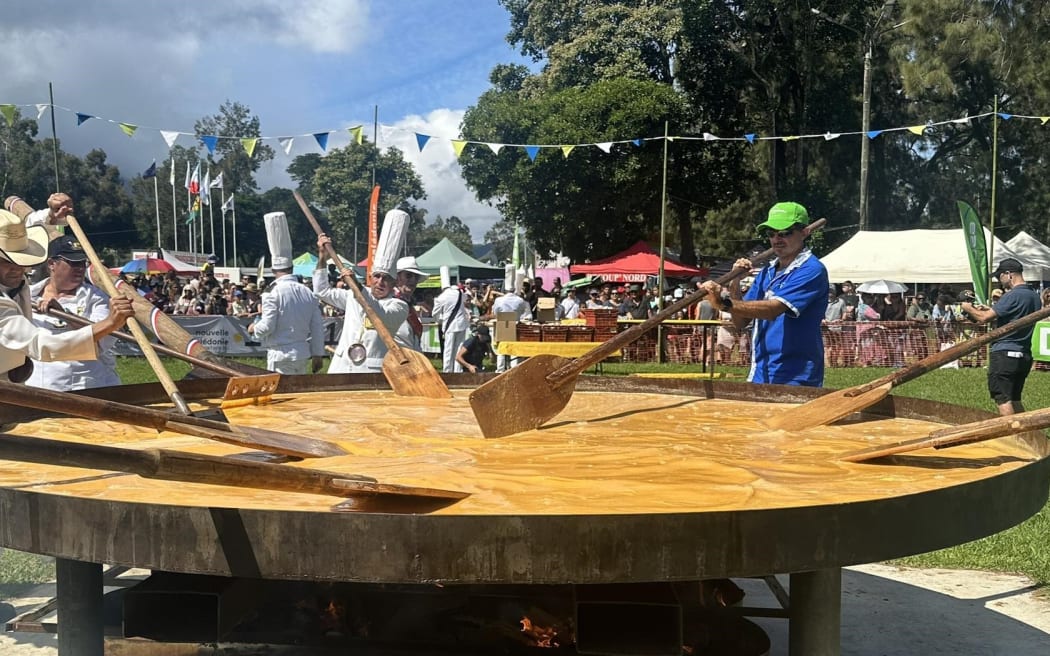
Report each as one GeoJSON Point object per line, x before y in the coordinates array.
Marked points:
{"type": "Point", "coordinates": [886, 611]}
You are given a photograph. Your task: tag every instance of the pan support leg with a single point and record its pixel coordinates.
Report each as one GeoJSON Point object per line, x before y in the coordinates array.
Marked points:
{"type": "Point", "coordinates": [816, 613]}
{"type": "Point", "coordinates": [80, 629]}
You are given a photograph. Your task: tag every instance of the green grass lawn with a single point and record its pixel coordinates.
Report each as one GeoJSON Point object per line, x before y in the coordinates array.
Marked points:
{"type": "Point", "coordinates": [1023, 549]}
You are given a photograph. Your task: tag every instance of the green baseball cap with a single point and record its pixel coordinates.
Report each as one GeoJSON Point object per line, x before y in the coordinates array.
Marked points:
{"type": "Point", "coordinates": [784, 215]}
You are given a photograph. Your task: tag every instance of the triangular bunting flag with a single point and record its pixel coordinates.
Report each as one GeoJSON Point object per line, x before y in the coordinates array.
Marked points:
{"type": "Point", "coordinates": [9, 113]}
{"type": "Point", "coordinates": [322, 140]}
{"type": "Point", "coordinates": [357, 134]}
{"type": "Point", "coordinates": [249, 144]}
{"type": "Point", "coordinates": [917, 129]}
{"type": "Point", "coordinates": [81, 118]}
{"type": "Point", "coordinates": [169, 137]}
{"type": "Point", "coordinates": [791, 138]}
{"type": "Point", "coordinates": [1005, 117]}
{"type": "Point", "coordinates": [565, 150]}
{"type": "Point", "coordinates": [1044, 119]}
{"type": "Point", "coordinates": [750, 137]}
{"type": "Point", "coordinates": [495, 147]}
{"type": "Point", "coordinates": [128, 128]}
{"type": "Point", "coordinates": [828, 136]}
{"type": "Point", "coordinates": [965, 119]}
{"type": "Point", "coordinates": [606, 146]}
{"type": "Point", "coordinates": [210, 141]}
{"type": "Point", "coordinates": [874, 133]}
{"type": "Point", "coordinates": [532, 152]}
{"type": "Point", "coordinates": [636, 142]}
{"type": "Point", "coordinates": [458, 145]}
{"type": "Point", "coordinates": [40, 109]}
{"type": "Point", "coordinates": [386, 133]}
{"type": "Point", "coordinates": [421, 140]}
{"type": "Point", "coordinates": [286, 144]}
{"type": "Point", "coordinates": [710, 137]}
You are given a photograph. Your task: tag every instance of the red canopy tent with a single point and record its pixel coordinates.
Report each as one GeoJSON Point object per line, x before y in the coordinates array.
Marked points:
{"type": "Point", "coordinates": [634, 265]}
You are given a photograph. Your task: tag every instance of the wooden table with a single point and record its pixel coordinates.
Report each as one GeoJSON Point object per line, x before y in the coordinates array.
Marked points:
{"type": "Point", "coordinates": [564, 349]}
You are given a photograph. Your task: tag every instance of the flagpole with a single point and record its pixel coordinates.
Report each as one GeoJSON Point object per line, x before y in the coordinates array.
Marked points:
{"type": "Point", "coordinates": [995, 173]}
{"type": "Point", "coordinates": [174, 217]}
{"type": "Point", "coordinates": [54, 133]}
{"type": "Point", "coordinates": [156, 203]}
{"type": "Point", "coordinates": [234, 210]}
{"type": "Point", "coordinates": [222, 210]}
{"type": "Point", "coordinates": [189, 205]}
{"type": "Point", "coordinates": [211, 221]}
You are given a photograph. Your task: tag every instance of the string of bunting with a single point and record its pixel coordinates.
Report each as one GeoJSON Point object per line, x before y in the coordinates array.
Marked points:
{"type": "Point", "coordinates": [9, 111]}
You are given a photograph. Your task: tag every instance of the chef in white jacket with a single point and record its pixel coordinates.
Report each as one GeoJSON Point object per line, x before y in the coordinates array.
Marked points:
{"type": "Point", "coordinates": [360, 349]}
{"type": "Point", "coordinates": [20, 339]}
{"type": "Point", "coordinates": [452, 314]}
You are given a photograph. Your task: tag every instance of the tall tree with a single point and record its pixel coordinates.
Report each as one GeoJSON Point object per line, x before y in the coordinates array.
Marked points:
{"type": "Point", "coordinates": [501, 237]}
{"type": "Point", "coordinates": [452, 228]}
{"type": "Point", "coordinates": [233, 123]}
{"type": "Point", "coordinates": [342, 186]}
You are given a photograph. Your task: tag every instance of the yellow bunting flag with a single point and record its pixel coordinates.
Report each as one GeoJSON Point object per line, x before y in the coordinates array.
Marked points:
{"type": "Point", "coordinates": [917, 129]}
{"type": "Point", "coordinates": [793, 138]}
{"type": "Point", "coordinates": [356, 134]}
{"type": "Point", "coordinates": [458, 145]}
{"type": "Point", "coordinates": [1044, 119]}
{"type": "Point", "coordinates": [9, 113]}
{"type": "Point", "coordinates": [249, 144]}
{"type": "Point", "coordinates": [128, 128]}
{"type": "Point", "coordinates": [565, 150]}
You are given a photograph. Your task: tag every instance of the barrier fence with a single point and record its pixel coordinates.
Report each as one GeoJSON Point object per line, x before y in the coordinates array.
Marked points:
{"type": "Point", "coordinates": [862, 344]}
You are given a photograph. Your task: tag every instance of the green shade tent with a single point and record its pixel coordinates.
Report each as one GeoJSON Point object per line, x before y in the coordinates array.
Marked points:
{"type": "Point", "coordinates": [460, 265]}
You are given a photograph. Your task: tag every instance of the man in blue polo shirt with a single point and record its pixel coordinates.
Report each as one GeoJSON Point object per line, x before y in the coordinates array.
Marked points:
{"type": "Point", "coordinates": [787, 303]}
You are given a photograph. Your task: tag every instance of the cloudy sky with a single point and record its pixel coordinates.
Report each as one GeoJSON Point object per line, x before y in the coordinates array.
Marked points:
{"type": "Point", "coordinates": [301, 66]}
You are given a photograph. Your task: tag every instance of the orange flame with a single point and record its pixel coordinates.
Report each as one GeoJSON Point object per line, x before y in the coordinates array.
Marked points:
{"type": "Point", "coordinates": [541, 636]}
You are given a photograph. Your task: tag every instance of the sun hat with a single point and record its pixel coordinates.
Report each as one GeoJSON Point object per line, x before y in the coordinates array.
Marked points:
{"type": "Point", "coordinates": [20, 245]}
{"type": "Point", "coordinates": [784, 215]}
{"type": "Point", "coordinates": [408, 264]}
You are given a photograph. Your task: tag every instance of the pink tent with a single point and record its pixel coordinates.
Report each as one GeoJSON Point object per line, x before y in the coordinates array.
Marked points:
{"type": "Point", "coordinates": [634, 265]}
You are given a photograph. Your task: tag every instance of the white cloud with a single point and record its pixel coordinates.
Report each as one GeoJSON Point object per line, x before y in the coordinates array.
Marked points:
{"type": "Point", "coordinates": [439, 169]}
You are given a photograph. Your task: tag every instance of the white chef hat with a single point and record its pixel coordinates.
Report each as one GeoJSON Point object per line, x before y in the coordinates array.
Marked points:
{"type": "Point", "coordinates": [279, 240]}
{"type": "Point", "coordinates": [391, 239]}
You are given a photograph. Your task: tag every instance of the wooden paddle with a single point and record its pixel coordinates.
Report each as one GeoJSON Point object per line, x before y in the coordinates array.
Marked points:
{"type": "Point", "coordinates": [978, 431]}
{"type": "Point", "coordinates": [529, 395]}
{"type": "Point", "coordinates": [255, 389]}
{"type": "Point", "coordinates": [88, 407]}
{"type": "Point", "coordinates": [169, 465]}
{"type": "Point", "coordinates": [408, 372]}
{"type": "Point", "coordinates": [831, 407]}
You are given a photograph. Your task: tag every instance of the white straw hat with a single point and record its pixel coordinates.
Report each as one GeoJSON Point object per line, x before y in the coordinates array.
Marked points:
{"type": "Point", "coordinates": [20, 245]}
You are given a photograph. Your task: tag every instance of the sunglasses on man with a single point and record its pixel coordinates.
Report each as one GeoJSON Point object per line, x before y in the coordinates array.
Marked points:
{"type": "Point", "coordinates": [769, 234]}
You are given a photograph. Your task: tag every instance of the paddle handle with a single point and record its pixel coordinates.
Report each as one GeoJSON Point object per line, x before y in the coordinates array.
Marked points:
{"type": "Point", "coordinates": [950, 354]}
{"type": "Point", "coordinates": [170, 465]}
{"type": "Point", "coordinates": [597, 354]}
{"type": "Point", "coordinates": [133, 325]}
{"type": "Point", "coordinates": [978, 431]}
{"type": "Point", "coordinates": [384, 334]}
{"type": "Point", "coordinates": [77, 320]}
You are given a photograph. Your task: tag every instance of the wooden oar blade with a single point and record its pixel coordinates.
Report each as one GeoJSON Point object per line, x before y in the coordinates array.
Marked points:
{"type": "Point", "coordinates": [826, 409]}
{"type": "Point", "coordinates": [250, 390]}
{"type": "Point", "coordinates": [258, 438]}
{"type": "Point", "coordinates": [410, 373]}
{"type": "Point", "coordinates": [351, 487]}
{"type": "Point", "coordinates": [522, 398]}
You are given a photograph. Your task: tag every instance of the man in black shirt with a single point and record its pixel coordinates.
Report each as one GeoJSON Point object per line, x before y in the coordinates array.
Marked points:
{"type": "Point", "coordinates": [1011, 355]}
{"type": "Point", "coordinates": [474, 350]}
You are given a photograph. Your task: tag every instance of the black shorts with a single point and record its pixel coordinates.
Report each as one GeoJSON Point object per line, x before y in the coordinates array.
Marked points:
{"type": "Point", "coordinates": [1006, 376]}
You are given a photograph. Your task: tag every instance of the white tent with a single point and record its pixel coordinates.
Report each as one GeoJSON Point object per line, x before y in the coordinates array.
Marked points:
{"type": "Point", "coordinates": [925, 256]}
{"type": "Point", "coordinates": [1033, 251]}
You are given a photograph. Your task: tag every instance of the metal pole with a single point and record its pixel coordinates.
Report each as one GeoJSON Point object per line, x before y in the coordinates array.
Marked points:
{"type": "Point", "coordinates": [79, 587]}
{"type": "Point", "coordinates": [54, 133]}
{"type": "Point", "coordinates": [995, 170]}
{"type": "Point", "coordinates": [816, 613]}
{"type": "Point", "coordinates": [663, 248]}
{"type": "Point", "coordinates": [865, 141]}
{"type": "Point", "coordinates": [156, 203]}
